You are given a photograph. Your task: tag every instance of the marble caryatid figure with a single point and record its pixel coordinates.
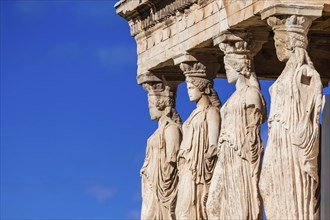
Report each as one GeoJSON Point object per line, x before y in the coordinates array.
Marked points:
{"type": "Point", "coordinates": [198, 150]}
{"type": "Point", "coordinates": [159, 172]}
{"type": "Point", "coordinates": [234, 190]}
{"type": "Point", "coordinates": [289, 177]}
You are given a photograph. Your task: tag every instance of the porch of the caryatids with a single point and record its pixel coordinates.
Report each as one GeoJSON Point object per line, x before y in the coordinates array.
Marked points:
{"type": "Point", "coordinates": [289, 177]}
{"type": "Point", "coordinates": [159, 172]}
{"type": "Point", "coordinates": [198, 151]}
{"type": "Point", "coordinates": [234, 192]}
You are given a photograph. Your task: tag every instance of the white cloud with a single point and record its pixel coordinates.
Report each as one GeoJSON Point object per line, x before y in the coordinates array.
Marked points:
{"type": "Point", "coordinates": [101, 193]}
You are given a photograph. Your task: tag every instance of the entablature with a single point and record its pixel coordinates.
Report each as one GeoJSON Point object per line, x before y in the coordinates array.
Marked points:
{"type": "Point", "coordinates": [164, 29]}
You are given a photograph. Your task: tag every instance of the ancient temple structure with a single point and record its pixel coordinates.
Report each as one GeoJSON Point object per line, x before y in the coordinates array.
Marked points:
{"type": "Point", "coordinates": [219, 159]}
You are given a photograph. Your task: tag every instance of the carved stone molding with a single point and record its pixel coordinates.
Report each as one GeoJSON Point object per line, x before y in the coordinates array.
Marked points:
{"type": "Point", "coordinates": [160, 89]}
{"type": "Point", "coordinates": [173, 26]}
{"type": "Point", "coordinates": [239, 47]}
{"type": "Point", "coordinates": [292, 9]}
{"type": "Point", "coordinates": [241, 42]}
{"type": "Point", "coordinates": [147, 77]}
{"type": "Point", "coordinates": [153, 12]}
{"type": "Point", "coordinates": [159, 85]}
{"type": "Point", "coordinates": [204, 65]}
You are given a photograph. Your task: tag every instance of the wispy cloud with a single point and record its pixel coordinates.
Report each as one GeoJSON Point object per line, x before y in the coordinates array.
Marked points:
{"type": "Point", "coordinates": [101, 193]}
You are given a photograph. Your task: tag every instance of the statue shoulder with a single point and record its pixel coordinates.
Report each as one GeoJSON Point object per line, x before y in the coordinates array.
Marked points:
{"type": "Point", "coordinates": [213, 113]}
{"type": "Point", "coordinates": [173, 132]}
{"type": "Point", "coordinates": [172, 127]}
{"type": "Point", "coordinates": [213, 110]}
{"type": "Point", "coordinates": [253, 97]}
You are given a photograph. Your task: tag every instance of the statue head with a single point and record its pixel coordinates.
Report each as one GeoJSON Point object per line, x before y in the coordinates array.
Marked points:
{"type": "Point", "coordinates": [237, 65]}
{"type": "Point", "coordinates": [161, 101]}
{"type": "Point", "coordinates": [199, 86]}
{"type": "Point", "coordinates": [155, 108]}
{"type": "Point", "coordinates": [290, 32]}
{"type": "Point", "coordinates": [286, 42]}
{"type": "Point", "coordinates": [239, 49]}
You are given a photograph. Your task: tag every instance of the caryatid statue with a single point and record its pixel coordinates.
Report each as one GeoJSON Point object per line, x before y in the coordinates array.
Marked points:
{"type": "Point", "coordinates": [159, 172]}
{"type": "Point", "coordinates": [198, 150]}
{"type": "Point", "coordinates": [234, 190]}
{"type": "Point", "coordinates": [289, 177]}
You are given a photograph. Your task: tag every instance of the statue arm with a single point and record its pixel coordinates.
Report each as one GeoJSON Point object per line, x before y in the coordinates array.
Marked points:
{"type": "Point", "coordinates": [254, 112]}
{"type": "Point", "coordinates": [251, 149]}
{"type": "Point", "coordinates": [213, 127]}
{"type": "Point", "coordinates": [253, 98]}
{"type": "Point", "coordinates": [173, 137]}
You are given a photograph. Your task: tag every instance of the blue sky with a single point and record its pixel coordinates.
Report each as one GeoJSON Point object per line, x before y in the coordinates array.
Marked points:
{"type": "Point", "coordinates": [74, 122]}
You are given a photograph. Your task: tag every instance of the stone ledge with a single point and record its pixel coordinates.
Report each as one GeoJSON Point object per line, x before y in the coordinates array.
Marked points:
{"type": "Point", "coordinates": [284, 9]}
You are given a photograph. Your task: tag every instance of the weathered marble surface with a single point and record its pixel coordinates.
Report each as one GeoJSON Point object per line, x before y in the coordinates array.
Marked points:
{"type": "Point", "coordinates": [289, 179]}
{"type": "Point", "coordinates": [234, 192]}
{"type": "Point", "coordinates": [164, 29]}
{"type": "Point", "coordinates": [159, 172]}
{"type": "Point", "coordinates": [198, 151]}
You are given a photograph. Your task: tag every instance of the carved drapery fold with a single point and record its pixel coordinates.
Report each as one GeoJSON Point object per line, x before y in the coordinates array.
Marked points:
{"type": "Point", "coordinates": [234, 190]}
{"type": "Point", "coordinates": [197, 156]}
{"type": "Point", "coordinates": [159, 172]}
{"type": "Point", "coordinates": [289, 178]}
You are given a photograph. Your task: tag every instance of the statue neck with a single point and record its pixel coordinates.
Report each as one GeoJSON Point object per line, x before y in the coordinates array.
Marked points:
{"type": "Point", "coordinates": [241, 82]}
{"type": "Point", "coordinates": [162, 120]}
{"type": "Point", "coordinates": [203, 101]}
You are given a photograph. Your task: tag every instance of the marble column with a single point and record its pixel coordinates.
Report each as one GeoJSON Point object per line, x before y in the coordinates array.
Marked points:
{"type": "Point", "coordinates": [198, 151]}
{"type": "Point", "coordinates": [159, 172]}
{"type": "Point", "coordinates": [289, 179]}
{"type": "Point", "coordinates": [234, 192]}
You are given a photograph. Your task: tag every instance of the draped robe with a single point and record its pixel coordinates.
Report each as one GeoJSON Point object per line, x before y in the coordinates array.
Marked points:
{"type": "Point", "coordinates": [195, 171]}
{"type": "Point", "coordinates": [159, 177]}
{"type": "Point", "coordinates": [289, 176]}
{"type": "Point", "coordinates": [234, 191]}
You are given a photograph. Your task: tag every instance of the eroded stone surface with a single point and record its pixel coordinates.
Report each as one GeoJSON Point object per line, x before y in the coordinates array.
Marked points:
{"type": "Point", "coordinates": [289, 178]}
{"type": "Point", "coordinates": [159, 171]}
{"type": "Point", "coordinates": [198, 151]}
{"type": "Point", "coordinates": [234, 192]}
{"type": "Point", "coordinates": [164, 29]}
